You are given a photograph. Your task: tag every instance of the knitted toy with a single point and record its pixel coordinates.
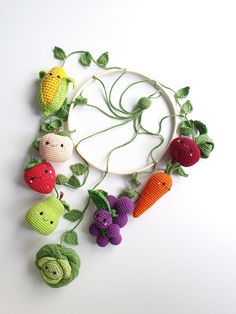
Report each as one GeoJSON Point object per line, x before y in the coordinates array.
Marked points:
{"type": "Point", "coordinates": [54, 147]}
{"type": "Point", "coordinates": [44, 216]}
{"type": "Point", "coordinates": [53, 89]}
{"type": "Point", "coordinates": [185, 151]}
{"type": "Point", "coordinates": [57, 264]}
{"type": "Point", "coordinates": [40, 176]}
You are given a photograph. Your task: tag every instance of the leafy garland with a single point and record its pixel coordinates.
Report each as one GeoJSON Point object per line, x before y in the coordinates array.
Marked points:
{"type": "Point", "coordinates": [54, 123]}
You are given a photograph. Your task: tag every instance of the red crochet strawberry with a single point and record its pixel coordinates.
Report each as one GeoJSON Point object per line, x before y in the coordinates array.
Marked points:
{"type": "Point", "coordinates": [40, 176]}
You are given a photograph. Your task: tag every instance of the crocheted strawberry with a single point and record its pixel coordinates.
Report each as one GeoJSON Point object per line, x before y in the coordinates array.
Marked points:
{"type": "Point", "coordinates": [184, 151]}
{"type": "Point", "coordinates": [40, 176]}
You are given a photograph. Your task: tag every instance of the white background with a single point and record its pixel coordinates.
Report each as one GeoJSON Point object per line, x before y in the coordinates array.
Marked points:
{"type": "Point", "coordinates": [180, 257]}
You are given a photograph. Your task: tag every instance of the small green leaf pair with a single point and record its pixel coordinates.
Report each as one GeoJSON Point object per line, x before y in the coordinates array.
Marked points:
{"type": "Point", "coordinates": [183, 93]}
{"type": "Point", "coordinates": [86, 59]}
{"type": "Point", "coordinates": [51, 124]}
{"type": "Point", "coordinates": [72, 182]}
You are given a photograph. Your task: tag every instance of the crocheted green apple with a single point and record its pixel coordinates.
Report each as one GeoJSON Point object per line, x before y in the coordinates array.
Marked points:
{"type": "Point", "coordinates": [44, 216]}
{"type": "Point", "coordinates": [55, 147]}
{"type": "Point", "coordinates": [58, 265]}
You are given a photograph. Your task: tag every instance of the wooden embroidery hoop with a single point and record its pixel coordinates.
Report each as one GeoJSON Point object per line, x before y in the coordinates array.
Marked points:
{"type": "Point", "coordinates": [157, 86]}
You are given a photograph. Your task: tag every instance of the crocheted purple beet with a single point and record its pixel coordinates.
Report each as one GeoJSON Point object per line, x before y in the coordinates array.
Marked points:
{"type": "Point", "coordinates": [102, 240]}
{"type": "Point", "coordinates": [112, 200]}
{"type": "Point", "coordinates": [116, 240]}
{"type": "Point", "coordinates": [102, 218]}
{"type": "Point", "coordinates": [113, 230]}
{"type": "Point", "coordinates": [121, 220]}
{"type": "Point", "coordinates": [94, 230]}
{"type": "Point", "coordinates": [124, 205]}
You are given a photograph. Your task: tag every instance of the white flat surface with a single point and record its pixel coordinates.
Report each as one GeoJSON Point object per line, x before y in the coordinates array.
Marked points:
{"type": "Point", "coordinates": [180, 257]}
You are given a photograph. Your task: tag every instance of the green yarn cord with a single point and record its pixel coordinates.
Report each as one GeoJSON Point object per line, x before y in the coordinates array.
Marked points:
{"type": "Point", "coordinates": [58, 265]}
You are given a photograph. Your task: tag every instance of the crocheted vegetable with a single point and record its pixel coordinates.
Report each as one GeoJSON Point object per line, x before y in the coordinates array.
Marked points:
{"type": "Point", "coordinates": [103, 218]}
{"type": "Point", "coordinates": [44, 216]}
{"type": "Point", "coordinates": [116, 240]}
{"type": "Point", "coordinates": [40, 176]}
{"type": "Point", "coordinates": [58, 265]}
{"type": "Point", "coordinates": [124, 205]}
{"type": "Point", "coordinates": [56, 148]}
{"type": "Point", "coordinates": [157, 186]}
{"type": "Point", "coordinates": [112, 200]}
{"type": "Point", "coordinates": [53, 90]}
{"type": "Point", "coordinates": [121, 220]}
{"type": "Point", "coordinates": [184, 151]}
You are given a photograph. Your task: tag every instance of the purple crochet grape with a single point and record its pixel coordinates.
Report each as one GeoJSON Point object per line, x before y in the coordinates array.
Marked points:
{"type": "Point", "coordinates": [103, 218]}
{"type": "Point", "coordinates": [116, 240]}
{"type": "Point", "coordinates": [113, 230]}
{"type": "Point", "coordinates": [121, 220]}
{"type": "Point", "coordinates": [112, 200]}
{"type": "Point", "coordinates": [94, 230]}
{"type": "Point", "coordinates": [102, 240]}
{"type": "Point", "coordinates": [124, 205]}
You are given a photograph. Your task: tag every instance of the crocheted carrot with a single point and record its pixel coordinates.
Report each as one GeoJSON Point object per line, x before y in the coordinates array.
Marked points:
{"type": "Point", "coordinates": [157, 186]}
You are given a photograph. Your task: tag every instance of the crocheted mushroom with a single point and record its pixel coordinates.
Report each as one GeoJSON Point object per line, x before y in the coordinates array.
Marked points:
{"type": "Point", "coordinates": [184, 151]}
{"type": "Point", "coordinates": [58, 265]}
{"type": "Point", "coordinates": [44, 216]}
{"type": "Point", "coordinates": [56, 148]}
{"type": "Point", "coordinates": [53, 89]}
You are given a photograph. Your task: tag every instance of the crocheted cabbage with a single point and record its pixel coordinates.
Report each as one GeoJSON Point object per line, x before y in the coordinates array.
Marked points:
{"type": "Point", "coordinates": [58, 265]}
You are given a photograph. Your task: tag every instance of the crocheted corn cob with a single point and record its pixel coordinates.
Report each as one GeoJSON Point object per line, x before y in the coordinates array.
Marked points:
{"type": "Point", "coordinates": [53, 90]}
{"type": "Point", "coordinates": [44, 216]}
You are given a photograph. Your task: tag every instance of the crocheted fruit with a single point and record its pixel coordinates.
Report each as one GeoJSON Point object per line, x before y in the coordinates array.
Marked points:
{"type": "Point", "coordinates": [103, 218]}
{"type": "Point", "coordinates": [116, 240]}
{"type": "Point", "coordinates": [94, 230]}
{"type": "Point", "coordinates": [40, 176]}
{"type": "Point", "coordinates": [121, 220]}
{"type": "Point", "coordinates": [124, 205]}
{"type": "Point", "coordinates": [102, 240]}
{"type": "Point", "coordinates": [112, 230]}
{"type": "Point", "coordinates": [54, 147]}
{"type": "Point", "coordinates": [185, 151]}
{"type": "Point", "coordinates": [44, 216]}
{"type": "Point", "coordinates": [157, 185]}
{"type": "Point", "coordinates": [112, 200]}
{"type": "Point", "coordinates": [53, 90]}
{"type": "Point", "coordinates": [58, 265]}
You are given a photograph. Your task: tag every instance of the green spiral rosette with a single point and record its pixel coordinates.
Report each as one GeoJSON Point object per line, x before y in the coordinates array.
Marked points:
{"type": "Point", "coordinates": [58, 265]}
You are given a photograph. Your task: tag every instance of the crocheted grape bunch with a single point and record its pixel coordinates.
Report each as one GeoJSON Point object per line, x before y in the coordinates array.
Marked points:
{"type": "Point", "coordinates": [107, 225]}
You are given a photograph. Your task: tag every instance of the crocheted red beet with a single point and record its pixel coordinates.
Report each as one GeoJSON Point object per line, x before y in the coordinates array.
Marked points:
{"type": "Point", "coordinates": [41, 177]}
{"type": "Point", "coordinates": [184, 151]}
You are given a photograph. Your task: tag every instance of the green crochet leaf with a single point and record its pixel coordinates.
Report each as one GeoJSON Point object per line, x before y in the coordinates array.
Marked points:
{"type": "Point", "coordinates": [78, 169]}
{"type": "Point", "coordinates": [85, 58]}
{"type": "Point", "coordinates": [33, 163]}
{"type": "Point", "coordinates": [103, 60]}
{"type": "Point", "coordinates": [206, 145]}
{"type": "Point", "coordinates": [103, 192]}
{"type": "Point", "coordinates": [175, 168]}
{"type": "Point", "coordinates": [200, 126]}
{"type": "Point", "coordinates": [183, 92]}
{"type": "Point", "coordinates": [73, 215]}
{"type": "Point", "coordinates": [185, 128]}
{"type": "Point", "coordinates": [99, 200]}
{"type": "Point", "coordinates": [71, 237]}
{"type": "Point", "coordinates": [65, 204]}
{"type": "Point", "coordinates": [63, 111]}
{"type": "Point", "coordinates": [36, 143]}
{"type": "Point", "coordinates": [73, 182]}
{"type": "Point", "coordinates": [187, 107]}
{"type": "Point", "coordinates": [129, 192]}
{"type": "Point", "coordinates": [66, 133]}
{"type": "Point", "coordinates": [61, 179]}
{"type": "Point", "coordinates": [59, 53]}
{"type": "Point", "coordinates": [134, 180]}
{"type": "Point", "coordinates": [80, 100]}
{"type": "Point", "coordinates": [42, 74]}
